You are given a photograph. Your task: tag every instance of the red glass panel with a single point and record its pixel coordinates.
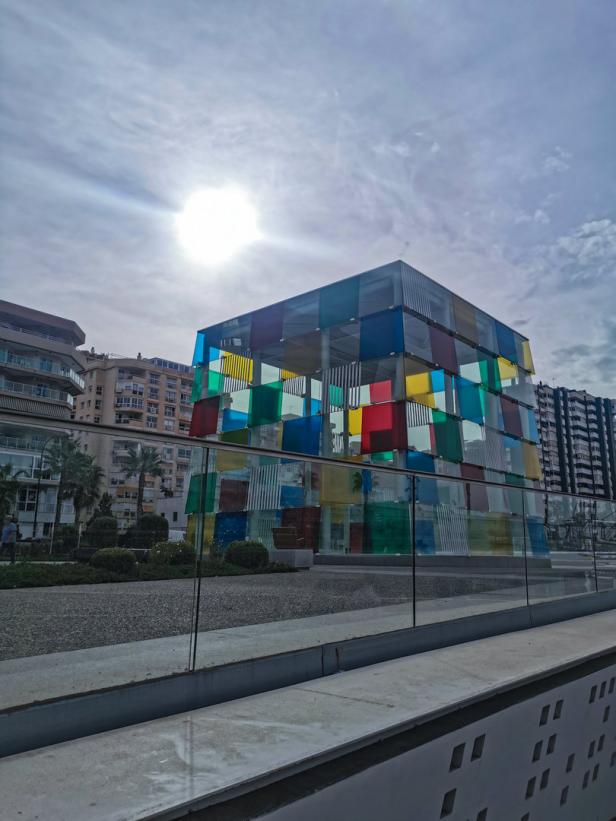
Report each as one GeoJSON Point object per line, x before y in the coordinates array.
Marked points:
{"type": "Point", "coordinates": [380, 392]}
{"type": "Point", "coordinates": [383, 427]}
{"type": "Point", "coordinates": [205, 416]}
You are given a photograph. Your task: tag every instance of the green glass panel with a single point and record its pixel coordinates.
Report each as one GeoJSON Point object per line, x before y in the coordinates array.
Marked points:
{"type": "Point", "coordinates": [215, 383]}
{"type": "Point", "coordinates": [386, 456]}
{"type": "Point", "coordinates": [447, 436]}
{"type": "Point", "coordinates": [197, 386]}
{"type": "Point", "coordinates": [265, 404]}
{"type": "Point", "coordinates": [238, 437]}
{"type": "Point", "coordinates": [336, 396]}
{"type": "Point", "coordinates": [196, 491]}
{"type": "Point", "coordinates": [388, 526]}
{"type": "Point", "coordinates": [339, 302]}
{"type": "Point", "coordinates": [490, 376]}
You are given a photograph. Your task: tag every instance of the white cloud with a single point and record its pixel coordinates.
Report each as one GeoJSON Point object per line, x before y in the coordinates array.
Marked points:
{"type": "Point", "coordinates": [558, 162]}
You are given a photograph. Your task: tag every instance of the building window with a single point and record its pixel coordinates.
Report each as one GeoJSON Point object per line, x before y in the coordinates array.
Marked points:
{"type": "Point", "coordinates": [99, 390]}
{"type": "Point", "coordinates": [89, 388]}
{"type": "Point", "coordinates": [154, 379]}
{"type": "Point", "coordinates": [151, 421]}
{"type": "Point", "coordinates": [97, 420]}
{"type": "Point", "coordinates": [98, 404]}
{"type": "Point", "coordinates": [169, 410]}
{"type": "Point", "coordinates": [153, 393]}
{"type": "Point", "coordinates": [169, 424]}
{"type": "Point", "coordinates": [152, 408]}
{"type": "Point", "coordinates": [171, 396]}
{"type": "Point", "coordinates": [175, 515]}
{"type": "Point", "coordinates": [82, 405]}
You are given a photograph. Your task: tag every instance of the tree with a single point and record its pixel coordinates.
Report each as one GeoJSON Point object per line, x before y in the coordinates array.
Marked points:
{"type": "Point", "coordinates": [79, 476]}
{"type": "Point", "coordinates": [88, 490]}
{"type": "Point", "coordinates": [142, 462]}
{"type": "Point", "coordinates": [105, 506]}
{"type": "Point", "coordinates": [9, 488]}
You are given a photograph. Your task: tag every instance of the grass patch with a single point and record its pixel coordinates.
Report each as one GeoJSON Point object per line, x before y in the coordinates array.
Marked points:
{"type": "Point", "coordinates": [24, 574]}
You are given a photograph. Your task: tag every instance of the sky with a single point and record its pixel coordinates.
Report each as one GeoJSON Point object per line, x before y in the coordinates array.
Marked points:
{"type": "Point", "coordinates": [474, 140]}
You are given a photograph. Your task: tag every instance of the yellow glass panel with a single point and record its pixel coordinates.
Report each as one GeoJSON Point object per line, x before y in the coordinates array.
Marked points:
{"type": "Point", "coordinates": [237, 366]}
{"type": "Point", "coordinates": [354, 422]}
{"type": "Point", "coordinates": [339, 485]}
{"type": "Point", "coordinates": [507, 369]}
{"type": "Point", "coordinates": [287, 374]}
{"type": "Point", "coordinates": [419, 388]}
{"type": "Point", "coordinates": [532, 468]}
{"type": "Point", "coordinates": [228, 460]}
{"type": "Point", "coordinates": [527, 356]}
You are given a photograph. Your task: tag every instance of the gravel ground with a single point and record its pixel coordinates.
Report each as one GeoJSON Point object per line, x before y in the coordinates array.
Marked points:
{"type": "Point", "coordinates": [41, 620]}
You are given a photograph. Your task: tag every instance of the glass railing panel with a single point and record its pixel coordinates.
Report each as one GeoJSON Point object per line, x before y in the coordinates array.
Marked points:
{"type": "Point", "coordinates": [470, 549]}
{"type": "Point", "coordinates": [344, 530]}
{"type": "Point", "coordinates": [79, 622]}
{"type": "Point", "coordinates": [605, 543]}
{"type": "Point", "coordinates": [560, 538]}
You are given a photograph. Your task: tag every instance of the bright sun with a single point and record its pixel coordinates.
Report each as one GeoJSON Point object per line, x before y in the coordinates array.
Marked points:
{"type": "Point", "coordinates": [216, 223]}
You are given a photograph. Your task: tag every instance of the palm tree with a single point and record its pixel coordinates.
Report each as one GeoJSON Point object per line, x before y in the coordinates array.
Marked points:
{"type": "Point", "coordinates": [88, 490]}
{"type": "Point", "coordinates": [142, 462]}
{"type": "Point", "coordinates": [9, 488]}
{"type": "Point", "coordinates": [65, 458]}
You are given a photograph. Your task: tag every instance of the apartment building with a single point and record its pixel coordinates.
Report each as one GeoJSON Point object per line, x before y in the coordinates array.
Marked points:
{"type": "Point", "coordinates": [577, 441]}
{"type": "Point", "coordinates": [143, 394]}
{"type": "Point", "coordinates": [40, 374]}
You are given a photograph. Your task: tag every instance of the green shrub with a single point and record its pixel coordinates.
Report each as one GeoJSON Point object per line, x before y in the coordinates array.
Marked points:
{"type": "Point", "coordinates": [150, 529]}
{"type": "Point", "coordinates": [172, 553]}
{"type": "Point", "coordinates": [116, 559]}
{"type": "Point", "coordinates": [247, 554]}
{"type": "Point", "coordinates": [102, 532]}
{"type": "Point", "coordinates": [66, 538]}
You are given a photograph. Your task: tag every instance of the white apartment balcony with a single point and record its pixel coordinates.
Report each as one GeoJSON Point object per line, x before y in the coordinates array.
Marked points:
{"type": "Point", "coordinates": [19, 363]}
{"type": "Point", "coordinates": [22, 443]}
{"type": "Point", "coordinates": [37, 392]}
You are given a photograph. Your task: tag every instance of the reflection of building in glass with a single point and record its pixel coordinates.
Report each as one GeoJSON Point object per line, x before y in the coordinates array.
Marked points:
{"type": "Point", "coordinates": [40, 370]}
{"type": "Point", "coordinates": [385, 368]}
{"type": "Point", "coordinates": [135, 393]}
{"type": "Point", "coordinates": [577, 441]}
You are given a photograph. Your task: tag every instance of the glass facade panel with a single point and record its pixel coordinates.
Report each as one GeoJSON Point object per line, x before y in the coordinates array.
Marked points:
{"type": "Point", "coordinates": [372, 366]}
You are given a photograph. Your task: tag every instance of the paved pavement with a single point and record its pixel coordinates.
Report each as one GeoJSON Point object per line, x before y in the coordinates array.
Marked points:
{"type": "Point", "coordinates": [154, 769]}
{"type": "Point", "coordinates": [53, 619]}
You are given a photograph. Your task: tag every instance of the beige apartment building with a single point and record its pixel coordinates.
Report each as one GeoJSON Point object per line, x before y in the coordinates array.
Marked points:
{"type": "Point", "coordinates": [40, 369]}
{"type": "Point", "coordinates": [146, 395]}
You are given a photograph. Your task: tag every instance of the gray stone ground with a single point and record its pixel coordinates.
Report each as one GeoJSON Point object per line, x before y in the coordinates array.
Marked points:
{"type": "Point", "coordinates": [34, 621]}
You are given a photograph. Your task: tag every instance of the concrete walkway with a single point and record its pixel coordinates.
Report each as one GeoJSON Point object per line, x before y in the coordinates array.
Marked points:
{"type": "Point", "coordinates": [160, 766]}
{"type": "Point", "coordinates": [38, 678]}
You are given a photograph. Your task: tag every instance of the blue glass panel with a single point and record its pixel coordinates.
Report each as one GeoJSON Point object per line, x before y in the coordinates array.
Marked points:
{"type": "Point", "coordinates": [420, 461]}
{"type": "Point", "coordinates": [438, 381]}
{"type": "Point", "coordinates": [424, 536]}
{"type": "Point", "coordinates": [291, 496]}
{"type": "Point", "coordinates": [302, 435]}
{"type": "Point", "coordinates": [506, 342]}
{"type": "Point", "coordinates": [233, 420]}
{"type": "Point", "coordinates": [199, 354]}
{"type": "Point", "coordinates": [536, 537]}
{"type": "Point", "coordinates": [427, 491]}
{"type": "Point", "coordinates": [469, 400]}
{"type": "Point", "coordinates": [229, 527]}
{"type": "Point", "coordinates": [533, 433]}
{"type": "Point", "coordinates": [381, 334]}
{"type": "Point", "coordinates": [312, 407]}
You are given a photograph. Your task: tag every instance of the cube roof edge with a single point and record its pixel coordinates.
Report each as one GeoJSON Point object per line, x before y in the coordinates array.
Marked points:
{"type": "Point", "coordinates": [378, 269]}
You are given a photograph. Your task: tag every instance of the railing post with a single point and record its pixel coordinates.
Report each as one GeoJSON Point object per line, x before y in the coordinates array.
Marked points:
{"type": "Point", "coordinates": [525, 545]}
{"type": "Point", "coordinates": [593, 524]}
{"type": "Point", "coordinates": [199, 557]}
{"type": "Point", "coordinates": [413, 540]}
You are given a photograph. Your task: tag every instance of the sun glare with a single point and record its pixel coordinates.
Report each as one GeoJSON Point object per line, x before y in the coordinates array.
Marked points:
{"type": "Point", "coordinates": [216, 223]}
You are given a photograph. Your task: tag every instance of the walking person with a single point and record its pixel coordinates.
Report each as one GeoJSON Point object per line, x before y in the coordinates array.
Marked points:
{"type": "Point", "coordinates": [9, 538]}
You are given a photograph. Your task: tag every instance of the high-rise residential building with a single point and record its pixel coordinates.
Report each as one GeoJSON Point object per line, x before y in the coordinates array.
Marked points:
{"type": "Point", "coordinates": [40, 374]}
{"type": "Point", "coordinates": [577, 441]}
{"type": "Point", "coordinates": [385, 368]}
{"type": "Point", "coordinates": [143, 394]}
